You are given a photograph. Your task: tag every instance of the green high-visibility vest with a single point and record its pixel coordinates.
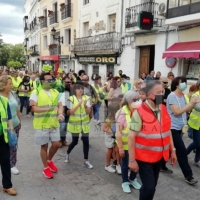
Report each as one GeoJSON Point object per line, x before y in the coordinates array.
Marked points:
{"type": "Point", "coordinates": [79, 122]}
{"type": "Point", "coordinates": [4, 116]}
{"type": "Point", "coordinates": [124, 88]}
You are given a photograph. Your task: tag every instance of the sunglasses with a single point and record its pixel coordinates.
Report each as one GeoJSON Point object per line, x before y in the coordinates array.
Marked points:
{"type": "Point", "coordinates": [171, 75]}
{"type": "Point", "coordinates": [49, 80]}
{"type": "Point", "coordinates": [84, 80]}
{"type": "Point", "coordinates": [134, 100]}
{"type": "Point", "coordinates": [68, 82]}
{"type": "Point", "coordinates": [165, 82]}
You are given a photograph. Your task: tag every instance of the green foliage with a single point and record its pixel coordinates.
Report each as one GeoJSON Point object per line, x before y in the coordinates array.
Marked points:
{"type": "Point", "coordinates": [10, 52]}
{"type": "Point", "coordinates": [14, 64]}
{"type": "Point", "coordinates": [1, 41]}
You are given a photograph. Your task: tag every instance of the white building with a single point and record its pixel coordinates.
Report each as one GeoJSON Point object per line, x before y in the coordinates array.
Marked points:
{"type": "Point", "coordinates": [32, 34]}
{"type": "Point", "coordinates": [98, 44]}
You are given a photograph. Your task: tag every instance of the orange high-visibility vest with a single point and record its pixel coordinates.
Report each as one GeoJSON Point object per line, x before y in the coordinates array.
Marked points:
{"type": "Point", "coordinates": [153, 140]}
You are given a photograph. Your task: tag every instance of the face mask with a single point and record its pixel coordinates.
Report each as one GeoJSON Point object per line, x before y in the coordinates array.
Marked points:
{"type": "Point", "coordinates": [136, 104]}
{"type": "Point", "coordinates": [182, 86]}
{"type": "Point", "coordinates": [37, 79]}
{"type": "Point", "coordinates": [158, 99]}
{"type": "Point", "coordinates": [46, 85]}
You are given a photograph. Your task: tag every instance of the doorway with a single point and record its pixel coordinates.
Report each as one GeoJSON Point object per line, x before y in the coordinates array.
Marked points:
{"type": "Point", "coordinates": [147, 55]}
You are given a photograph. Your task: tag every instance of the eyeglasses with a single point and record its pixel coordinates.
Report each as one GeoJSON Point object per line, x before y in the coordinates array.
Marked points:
{"type": "Point", "coordinates": [49, 80]}
{"type": "Point", "coordinates": [68, 82]}
{"type": "Point", "coordinates": [134, 100]}
{"type": "Point", "coordinates": [85, 80]}
{"type": "Point", "coordinates": [165, 82]}
{"type": "Point", "coordinates": [171, 75]}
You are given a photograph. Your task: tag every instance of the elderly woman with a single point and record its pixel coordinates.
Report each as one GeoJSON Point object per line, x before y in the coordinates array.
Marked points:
{"type": "Point", "coordinates": [115, 89]}
{"type": "Point", "coordinates": [138, 84]}
{"type": "Point", "coordinates": [194, 124]}
{"type": "Point", "coordinates": [177, 108]}
{"type": "Point", "coordinates": [5, 120]}
{"type": "Point", "coordinates": [79, 121]}
{"type": "Point", "coordinates": [131, 101]}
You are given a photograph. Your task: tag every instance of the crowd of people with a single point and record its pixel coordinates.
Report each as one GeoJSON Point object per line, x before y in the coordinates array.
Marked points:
{"type": "Point", "coordinates": [143, 122]}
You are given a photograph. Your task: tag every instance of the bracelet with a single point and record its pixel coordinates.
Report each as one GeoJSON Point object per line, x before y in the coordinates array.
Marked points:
{"type": "Point", "coordinates": [132, 160]}
{"type": "Point", "coordinates": [173, 149]}
{"type": "Point", "coordinates": [60, 114]}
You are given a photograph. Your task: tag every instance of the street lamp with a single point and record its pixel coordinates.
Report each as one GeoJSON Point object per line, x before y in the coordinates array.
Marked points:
{"type": "Point", "coordinates": [59, 39]}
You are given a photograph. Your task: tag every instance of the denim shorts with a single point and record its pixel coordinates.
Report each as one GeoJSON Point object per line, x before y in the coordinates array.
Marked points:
{"type": "Point", "coordinates": [47, 135]}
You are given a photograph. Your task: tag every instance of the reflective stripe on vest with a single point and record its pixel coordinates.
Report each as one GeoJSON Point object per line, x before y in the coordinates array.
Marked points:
{"type": "Point", "coordinates": [48, 119]}
{"type": "Point", "coordinates": [153, 140]}
{"type": "Point", "coordinates": [79, 121]}
{"type": "Point", "coordinates": [99, 90]}
{"type": "Point", "coordinates": [4, 116]}
{"type": "Point", "coordinates": [153, 148]}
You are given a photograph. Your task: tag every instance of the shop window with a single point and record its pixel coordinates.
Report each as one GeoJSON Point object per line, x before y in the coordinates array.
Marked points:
{"type": "Point", "coordinates": [194, 1]}
{"type": "Point", "coordinates": [173, 3]}
{"type": "Point", "coordinates": [110, 68]}
{"type": "Point", "coordinates": [184, 2]}
{"type": "Point", "coordinates": [45, 42]}
{"type": "Point", "coordinates": [96, 69]}
{"type": "Point", "coordinates": [67, 36]}
{"type": "Point", "coordinates": [193, 69]}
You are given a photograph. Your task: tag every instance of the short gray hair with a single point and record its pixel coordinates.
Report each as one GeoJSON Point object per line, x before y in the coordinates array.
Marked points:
{"type": "Point", "coordinates": [198, 83]}
{"type": "Point", "coordinates": [129, 96]}
{"type": "Point", "coordinates": [151, 84]}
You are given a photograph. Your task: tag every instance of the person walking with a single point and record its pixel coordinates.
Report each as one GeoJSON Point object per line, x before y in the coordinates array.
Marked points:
{"type": "Point", "coordinates": [124, 84]}
{"type": "Point", "coordinates": [6, 92]}
{"type": "Point", "coordinates": [5, 125]}
{"type": "Point", "coordinates": [177, 108]}
{"type": "Point", "coordinates": [150, 139]}
{"type": "Point", "coordinates": [48, 111]}
{"type": "Point", "coordinates": [79, 106]}
{"type": "Point", "coordinates": [131, 101]}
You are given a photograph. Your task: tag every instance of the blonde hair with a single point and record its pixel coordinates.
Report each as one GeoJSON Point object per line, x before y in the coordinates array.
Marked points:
{"type": "Point", "coordinates": [136, 81]}
{"type": "Point", "coordinates": [3, 81]}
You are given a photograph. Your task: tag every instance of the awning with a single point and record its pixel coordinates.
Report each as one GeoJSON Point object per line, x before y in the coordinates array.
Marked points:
{"type": "Point", "coordinates": [183, 50]}
{"type": "Point", "coordinates": [53, 57]}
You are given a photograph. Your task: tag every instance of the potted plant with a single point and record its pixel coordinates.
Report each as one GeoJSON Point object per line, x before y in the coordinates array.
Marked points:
{"type": "Point", "coordinates": [52, 46]}
{"type": "Point", "coordinates": [41, 18]}
{"type": "Point", "coordinates": [50, 13]}
{"type": "Point", "coordinates": [62, 6]}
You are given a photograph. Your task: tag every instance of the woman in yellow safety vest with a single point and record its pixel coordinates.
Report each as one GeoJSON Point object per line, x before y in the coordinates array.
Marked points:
{"type": "Point", "coordinates": [131, 101]}
{"type": "Point", "coordinates": [79, 106]}
{"type": "Point", "coordinates": [24, 91]}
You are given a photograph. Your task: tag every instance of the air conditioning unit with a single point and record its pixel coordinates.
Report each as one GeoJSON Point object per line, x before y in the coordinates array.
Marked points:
{"type": "Point", "coordinates": [71, 48]}
{"type": "Point", "coordinates": [162, 8]}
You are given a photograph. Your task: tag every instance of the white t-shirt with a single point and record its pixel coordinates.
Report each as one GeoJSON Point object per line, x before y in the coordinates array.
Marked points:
{"type": "Point", "coordinates": [64, 98]}
{"type": "Point", "coordinates": [34, 97]}
{"type": "Point", "coordinates": [70, 104]}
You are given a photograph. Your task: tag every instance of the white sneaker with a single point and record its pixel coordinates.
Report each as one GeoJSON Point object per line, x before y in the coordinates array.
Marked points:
{"type": "Point", "coordinates": [118, 169]}
{"type": "Point", "coordinates": [88, 165]}
{"type": "Point", "coordinates": [14, 170]}
{"type": "Point", "coordinates": [98, 122]}
{"type": "Point", "coordinates": [95, 121]}
{"type": "Point", "coordinates": [110, 169]}
{"type": "Point", "coordinates": [66, 158]}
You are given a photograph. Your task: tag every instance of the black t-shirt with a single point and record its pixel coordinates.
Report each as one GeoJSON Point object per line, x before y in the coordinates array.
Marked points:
{"type": "Point", "coordinates": [167, 92]}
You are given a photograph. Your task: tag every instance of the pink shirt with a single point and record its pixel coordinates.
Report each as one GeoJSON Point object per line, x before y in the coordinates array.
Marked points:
{"type": "Point", "coordinates": [121, 119]}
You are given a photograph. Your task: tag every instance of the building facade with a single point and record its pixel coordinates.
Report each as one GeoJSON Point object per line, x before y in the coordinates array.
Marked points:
{"type": "Point", "coordinates": [32, 34]}
{"type": "Point", "coordinates": [59, 16]}
{"type": "Point", "coordinates": [97, 48]}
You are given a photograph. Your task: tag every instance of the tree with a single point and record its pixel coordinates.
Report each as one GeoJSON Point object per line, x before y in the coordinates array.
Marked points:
{"type": "Point", "coordinates": [1, 41]}
{"type": "Point", "coordinates": [5, 54]}
{"type": "Point", "coordinates": [17, 52]}
{"type": "Point", "coordinates": [14, 64]}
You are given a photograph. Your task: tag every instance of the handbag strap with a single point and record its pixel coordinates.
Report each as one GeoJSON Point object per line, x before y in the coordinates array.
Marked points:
{"type": "Point", "coordinates": [180, 107]}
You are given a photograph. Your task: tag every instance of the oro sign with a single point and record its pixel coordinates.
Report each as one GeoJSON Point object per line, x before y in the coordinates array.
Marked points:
{"type": "Point", "coordinates": [98, 59]}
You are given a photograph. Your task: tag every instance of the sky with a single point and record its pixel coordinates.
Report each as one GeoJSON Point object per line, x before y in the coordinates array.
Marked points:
{"type": "Point", "coordinates": [11, 21]}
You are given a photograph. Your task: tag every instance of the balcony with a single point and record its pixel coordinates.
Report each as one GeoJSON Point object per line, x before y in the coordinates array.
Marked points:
{"type": "Point", "coordinates": [183, 15]}
{"type": "Point", "coordinates": [53, 18]}
{"type": "Point", "coordinates": [132, 13]}
{"type": "Point", "coordinates": [35, 50]}
{"type": "Point", "coordinates": [109, 43]}
{"type": "Point", "coordinates": [33, 24]}
{"type": "Point", "coordinates": [26, 27]}
{"type": "Point", "coordinates": [66, 12]}
{"type": "Point", "coordinates": [54, 49]}
{"type": "Point", "coordinates": [43, 23]}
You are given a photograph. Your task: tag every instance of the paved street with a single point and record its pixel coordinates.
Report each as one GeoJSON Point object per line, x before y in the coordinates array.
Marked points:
{"type": "Point", "coordinates": [74, 182]}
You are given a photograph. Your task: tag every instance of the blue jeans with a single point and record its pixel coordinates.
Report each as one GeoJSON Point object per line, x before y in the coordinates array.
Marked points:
{"type": "Point", "coordinates": [63, 128]}
{"type": "Point", "coordinates": [24, 100]}
{"type": "Point", "coordinates": [96, 110]}
{"type": "Point", "coordinates": [195, 145]}
{"type": "Point", "coordinates": [124, 168]}
{"type": "Point", "coordinates": [190, 132]}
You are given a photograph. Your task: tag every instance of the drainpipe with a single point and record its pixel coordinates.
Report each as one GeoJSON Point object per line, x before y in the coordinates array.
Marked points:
{"type": "Point", "coordinates": [122, 17]}
{"type": "Point", "coordinates": [167, 36]}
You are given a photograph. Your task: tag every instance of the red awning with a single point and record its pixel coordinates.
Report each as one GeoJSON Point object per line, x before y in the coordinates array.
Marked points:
{"type": "Point", "coordinates": [53, 57]}
{"type": "Point", "coordinates": [183, 50]}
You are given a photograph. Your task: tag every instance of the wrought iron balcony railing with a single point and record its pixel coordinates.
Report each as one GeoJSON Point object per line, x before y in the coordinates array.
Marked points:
{"type": "Point", "coordinates": [26, 28]}
{"type": "Point", "coordinates": [67, 11]}
{"type": "Point", "coordinates": [132, 13]}
{"type": "Point", "coordinates": [35, 50]}
{"type": "Point", "coordinates": [33, 24]}
{"type": "Point", "coordinates": [43, 23]}
{"type": "Point", "coordinates": [55, 51]}
{"type": "Point", "coordinates": [104, 43]}
{"type": "Point", "coordinates": [53, 18]}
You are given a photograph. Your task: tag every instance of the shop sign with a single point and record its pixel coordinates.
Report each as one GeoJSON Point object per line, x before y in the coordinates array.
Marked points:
{"type": "Point", "coordinates": [98, 59]}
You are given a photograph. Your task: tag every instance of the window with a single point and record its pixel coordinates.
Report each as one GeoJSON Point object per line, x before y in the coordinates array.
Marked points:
{"type": "Point", "coordinates": [67, 36]}
{"type": "Point", "coordinates": [86, 2]}
{"type": "Point", "coordinates": [45, 12]}
{"type": "Point", "coordinates": [112, 23]}
{"type": "Point", "coordinates": [96, 69]}
{"type": "Point", "coordinates": [110, 68]}
{"type": "Point", "coordinates": [86, 29]}
{"type": "Point", "coordinates": [184, 2]}
{"type": "Point", "coordinates": [45, 42]}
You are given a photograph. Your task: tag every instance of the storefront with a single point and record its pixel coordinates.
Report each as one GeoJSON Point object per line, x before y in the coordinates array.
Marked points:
{"type": "Point", "coordinates": [51, 60]}
{"type": "Point", "coordinates": [66, 63]}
